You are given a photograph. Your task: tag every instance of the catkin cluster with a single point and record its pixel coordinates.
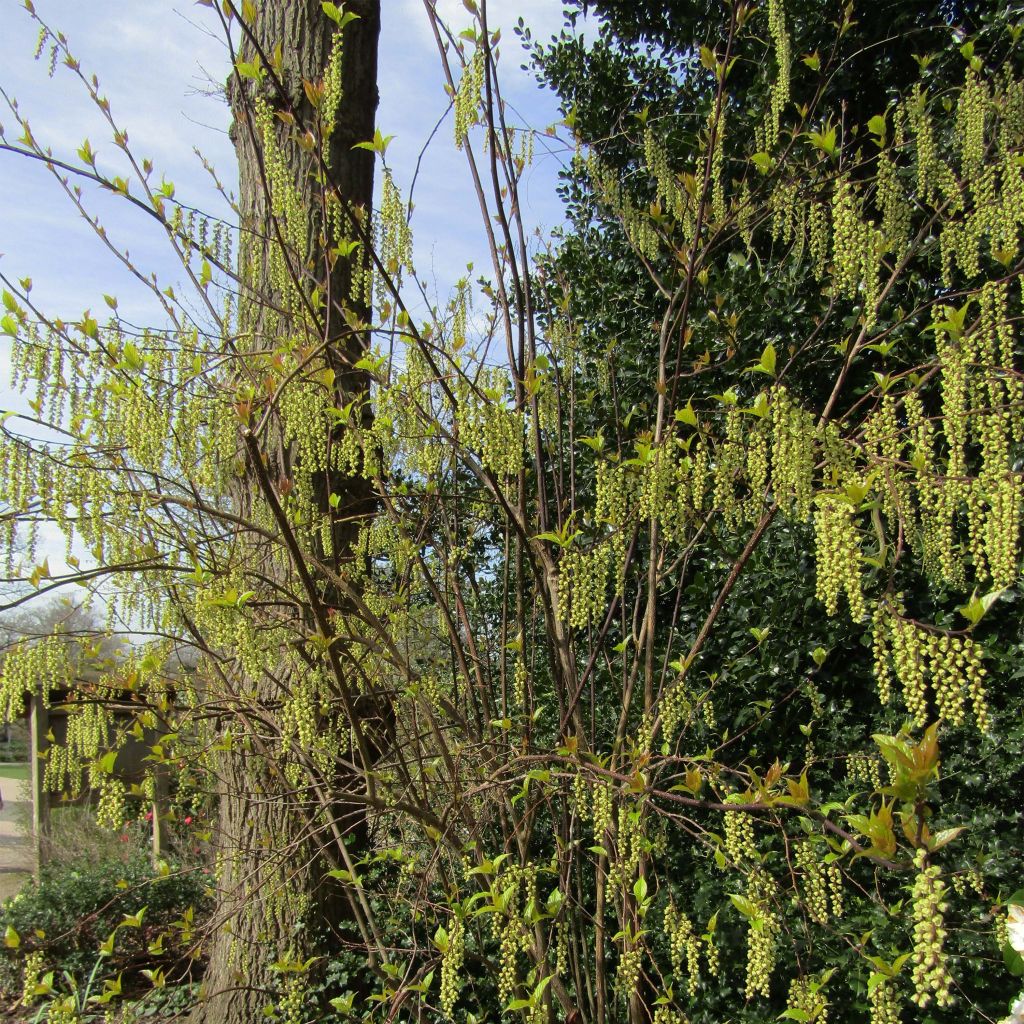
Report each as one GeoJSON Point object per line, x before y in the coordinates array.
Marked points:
{"type": "Point", "coordinates": [629, 846]}
{"type": "Point", "coordinates": [807, 995]}
{"type": "Point", "coordinates": [517, 886]}
{"type": "Point", "coordinates": [930, 974]}
{"type": "Point", "coordinates": [666, 1014]}
{"type": "Point", "coordinates": [63, 1010]}
{"type": "Point", "coordinates": [781, 84]}
{"type": "Point", "coordinates": [864, 768]}
{"type": "Point", "coordinates": [740, 844]}
{"type": "Point", "coordinates": [332, 90]}
{"type": "Point", "coordinates": [467, 97]}
{"type": "Point", "coordinates": [630, 966]}
{"type": "Point", "coordinates": [394, 233]}
{"type": "Point", "coordinates": [953, 664]}
{"type": "Point", "coordinates": [884, 1000]}
{"type": "Point", "coordinates": [582, 582]}
{"type": "Point", "coordinates": [813, 882]}
{"type": "Point", "coordinates": [292, 1000]}
{"type": "Point", "coordinates": [452, 956]}
{"type": "Point", "coordinates": [793, 454]}
{"type": "Point", "coordinates": [601, 811]}
{"type": "Point", "coordinates": [837, 553]}
{"type": "Point", "coordinates": [682, 941]}
{"type": "Point", "coordinates": [31, 972]}
{"type": "Point", "coordinates": [762, 933]}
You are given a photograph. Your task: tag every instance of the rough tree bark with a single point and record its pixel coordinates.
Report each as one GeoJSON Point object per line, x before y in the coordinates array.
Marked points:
{"type": "Point", "coordinates": [271, 896]}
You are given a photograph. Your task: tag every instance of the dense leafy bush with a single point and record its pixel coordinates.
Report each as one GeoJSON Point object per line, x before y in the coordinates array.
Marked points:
{"type": "Point", "coordinates": [75, 907]}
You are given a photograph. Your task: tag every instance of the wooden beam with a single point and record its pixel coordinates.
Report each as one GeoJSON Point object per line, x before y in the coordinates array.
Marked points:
{"type": "Point", "coordinates": [39, 726]}
{"type": "Point", "coordinates": [160, 823]}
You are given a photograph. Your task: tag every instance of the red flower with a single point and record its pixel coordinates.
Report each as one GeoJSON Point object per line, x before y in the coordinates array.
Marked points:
{"type": "Point", "coordinates": [149, 815]}
{"type": "Point", "coordinates": [188, 820]}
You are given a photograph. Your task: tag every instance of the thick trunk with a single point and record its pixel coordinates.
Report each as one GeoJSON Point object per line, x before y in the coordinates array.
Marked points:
{"type": "Point", "coordinates": [270, 864]}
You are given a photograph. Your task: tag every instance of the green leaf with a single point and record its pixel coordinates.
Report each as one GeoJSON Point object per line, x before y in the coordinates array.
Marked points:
{"type": "Point", "coordinates": [743, 905]}
{"type": "Point", "coordinates": [687, 415]}
{"type": "Point", "coordinates": [975, 609]}
{"type": "Point", "coordinates": [346, 248]}
{"type": "Point", "coordinates": [344, 1004]}
{"type": "Point", "coordinates": [378, 144]}
{"type": "Point", "coordinates": [371, 363]}
{"type": "Point", "coordinates": [759, 408]}
{"type": "Point", "coordinates": [250, 69]}
{"type": "Point", "coordinates": [824, 141]}
{"type": "Point", "coordinates": [553, 538]}
{"type": "Point", "coordinates": [562, 538]}
{"type": "Point", "coordinates": [133, 920]}
{"type": "Point", "coordinates": [946, 835]}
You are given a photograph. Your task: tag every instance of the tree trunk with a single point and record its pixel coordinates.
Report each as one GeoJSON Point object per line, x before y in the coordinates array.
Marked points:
{"type": "Point", "coordinates": [271, 893]}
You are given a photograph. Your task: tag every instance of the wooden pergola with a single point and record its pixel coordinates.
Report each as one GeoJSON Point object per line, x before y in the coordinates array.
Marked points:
{"type": "Point", "coordinates": [39, 728]}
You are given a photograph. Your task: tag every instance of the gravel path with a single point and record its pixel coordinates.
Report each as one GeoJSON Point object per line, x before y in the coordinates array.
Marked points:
{"type": "Point", "coordinates": [16, 858]}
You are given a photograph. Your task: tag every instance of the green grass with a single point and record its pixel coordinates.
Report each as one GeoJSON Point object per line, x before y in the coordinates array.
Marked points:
{"type": "Point", "coordinates": [14, 771]}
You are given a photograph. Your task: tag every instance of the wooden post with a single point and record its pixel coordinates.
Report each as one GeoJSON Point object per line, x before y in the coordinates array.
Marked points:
{"type": "Point", "coordinates": [39, 726]}
{"type": "Point", "coordinates": [160, 788]}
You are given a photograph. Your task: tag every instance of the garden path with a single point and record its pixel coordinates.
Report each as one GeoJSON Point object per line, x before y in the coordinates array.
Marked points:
{"type": "Point", "coordinates": [16, 857]}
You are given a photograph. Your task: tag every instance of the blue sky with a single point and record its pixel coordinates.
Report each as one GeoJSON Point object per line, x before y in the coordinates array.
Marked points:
{"type": "Point", "coordinates": [160, 62]}
{"type": "Point", "coordinates": [156, 61]}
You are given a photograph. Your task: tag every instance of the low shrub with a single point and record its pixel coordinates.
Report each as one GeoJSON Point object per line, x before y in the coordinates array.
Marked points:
{"type": "Point", "coordinates": [77, 904]}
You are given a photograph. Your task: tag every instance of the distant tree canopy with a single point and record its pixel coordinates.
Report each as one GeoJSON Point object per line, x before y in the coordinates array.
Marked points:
{"type": "Point", "coordinates": [633, 636]}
